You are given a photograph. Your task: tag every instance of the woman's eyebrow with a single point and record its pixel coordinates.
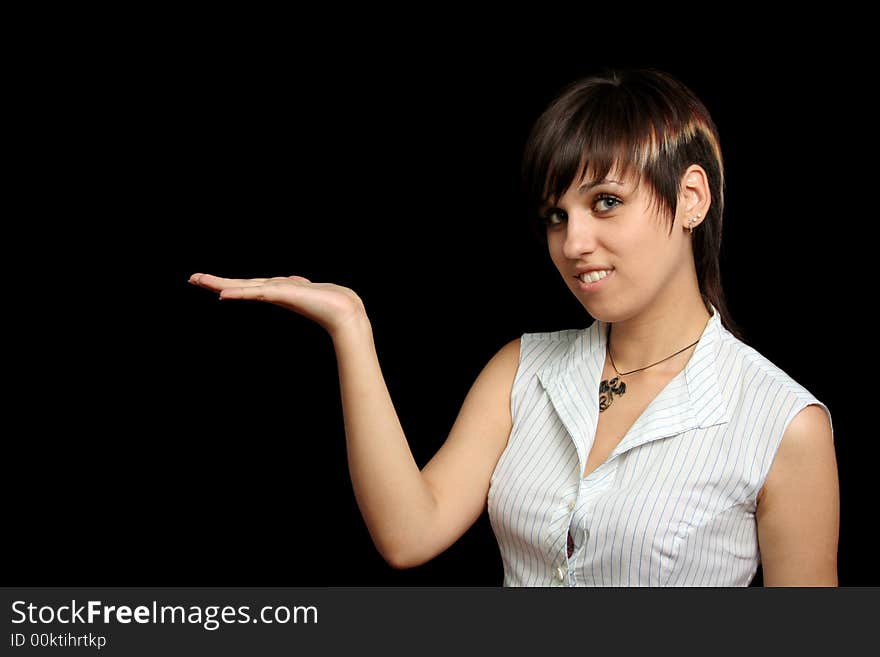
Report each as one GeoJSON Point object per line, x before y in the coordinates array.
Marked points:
{"type": "Point", "coordinates": [589, 185]}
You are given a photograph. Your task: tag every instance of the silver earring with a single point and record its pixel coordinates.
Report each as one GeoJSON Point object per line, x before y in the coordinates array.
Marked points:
{"type": "Point", "coordinates": [691, 223]}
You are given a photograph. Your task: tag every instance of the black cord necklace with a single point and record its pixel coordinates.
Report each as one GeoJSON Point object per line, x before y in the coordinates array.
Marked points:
{"type": "Point", "coordinates": [607, 389]}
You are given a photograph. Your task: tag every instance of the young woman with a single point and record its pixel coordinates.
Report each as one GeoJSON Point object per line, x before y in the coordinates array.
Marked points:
{"type": "Point", "coordinates": [652, 448]}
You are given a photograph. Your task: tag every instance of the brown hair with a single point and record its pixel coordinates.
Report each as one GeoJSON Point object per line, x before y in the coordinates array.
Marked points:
{"type": "Point", "coordinates": [653, 128]}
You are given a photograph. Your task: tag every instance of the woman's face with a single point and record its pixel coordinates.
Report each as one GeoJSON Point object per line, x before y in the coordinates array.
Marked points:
{"type": "Point", "coordinates": [612, 224]}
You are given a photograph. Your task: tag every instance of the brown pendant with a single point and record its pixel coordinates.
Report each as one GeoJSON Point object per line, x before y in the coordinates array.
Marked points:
{"type": "Point", "coordinates": [607, 390]}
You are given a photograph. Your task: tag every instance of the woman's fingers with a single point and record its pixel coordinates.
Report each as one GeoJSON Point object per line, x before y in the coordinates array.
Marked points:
{"type": "Point", "coordinates": [258, 289]}
{"type": "Point", "coordinates": [254, 292]}
{"type": "Point", "coordinates": [218, 283]}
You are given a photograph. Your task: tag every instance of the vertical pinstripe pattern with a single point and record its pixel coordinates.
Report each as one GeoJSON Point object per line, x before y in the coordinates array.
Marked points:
{"type": "Point", "coordinates": [674, 504]}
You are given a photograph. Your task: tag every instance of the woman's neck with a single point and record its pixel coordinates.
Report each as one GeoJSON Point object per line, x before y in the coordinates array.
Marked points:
{"type": "Point", "coordinates": [654, 336]}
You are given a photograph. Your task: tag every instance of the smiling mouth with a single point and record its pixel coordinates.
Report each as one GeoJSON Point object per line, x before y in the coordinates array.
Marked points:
{"type": "Point", "coordinates": [590, 285]}
{"type": "Point", "coordinates": [594, 276]}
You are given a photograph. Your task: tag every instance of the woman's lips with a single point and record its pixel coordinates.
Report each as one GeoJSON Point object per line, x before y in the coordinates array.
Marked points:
{"type": "Point", "coordinates": [593, 287]}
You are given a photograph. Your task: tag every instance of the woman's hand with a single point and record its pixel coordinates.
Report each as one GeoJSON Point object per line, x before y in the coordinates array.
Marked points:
{"type": "Point", "coordinates": [332, 306]}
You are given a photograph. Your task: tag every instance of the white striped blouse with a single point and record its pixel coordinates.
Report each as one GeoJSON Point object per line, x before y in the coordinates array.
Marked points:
{"type": "Point", "coordinates": [674, 504]}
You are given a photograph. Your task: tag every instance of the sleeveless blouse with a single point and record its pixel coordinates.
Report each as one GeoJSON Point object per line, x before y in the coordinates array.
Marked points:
{"type": "Point", "coordinates": [674, 503]}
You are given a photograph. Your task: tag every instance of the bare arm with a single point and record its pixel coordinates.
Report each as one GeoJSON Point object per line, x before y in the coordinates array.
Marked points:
{"type": "Point", "coordinates": [394, 499]}
{"type": "Point", "coordinates": [415, 515]}
{"type": "Point", "coordinates": [799, 507]}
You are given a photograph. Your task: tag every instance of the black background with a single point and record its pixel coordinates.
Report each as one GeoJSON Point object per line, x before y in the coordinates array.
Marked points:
{"type": "Point", "coordinates": [172, 439]}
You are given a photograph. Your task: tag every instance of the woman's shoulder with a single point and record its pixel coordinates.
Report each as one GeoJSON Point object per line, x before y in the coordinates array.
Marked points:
{"type": "Point", "coordinates": [552, 351]}
{"type": "Point", "coordinates": [554, 347]}
{"type": "Point", "coordinates": [758, 373]}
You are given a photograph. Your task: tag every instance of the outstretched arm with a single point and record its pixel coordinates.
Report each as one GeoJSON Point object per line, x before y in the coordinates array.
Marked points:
{"type": "Point", "coordinates": [411, 515]}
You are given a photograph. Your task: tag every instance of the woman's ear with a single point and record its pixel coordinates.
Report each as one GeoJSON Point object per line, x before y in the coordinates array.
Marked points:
{"type": "Point", "coordinates": [694, 195]}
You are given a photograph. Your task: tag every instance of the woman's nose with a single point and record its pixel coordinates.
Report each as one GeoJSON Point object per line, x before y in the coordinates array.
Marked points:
{"type": "Point", "coordinates": [580, 236]}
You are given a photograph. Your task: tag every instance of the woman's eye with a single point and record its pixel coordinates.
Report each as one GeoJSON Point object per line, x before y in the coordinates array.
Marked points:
{"type": "Point", "coordinates": [607, 197]}
{"type": "Point", "coordinates": [550, 214]}
{"type": "Point", "coordinates": [603, 202]}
